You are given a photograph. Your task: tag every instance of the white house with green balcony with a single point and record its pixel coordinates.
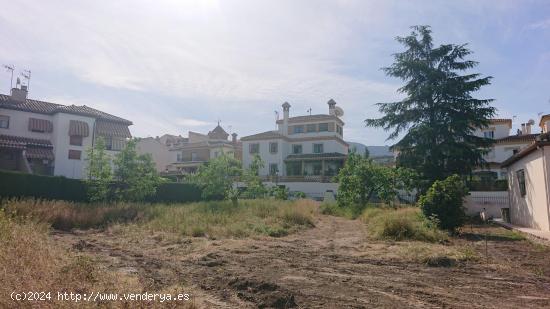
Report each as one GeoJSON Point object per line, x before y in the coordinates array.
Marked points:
{"type": "Point", "coordinates": [307, 148]}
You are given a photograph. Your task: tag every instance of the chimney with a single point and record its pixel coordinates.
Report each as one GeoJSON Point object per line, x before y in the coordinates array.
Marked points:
{"type": "Point", "coordinates": [19, 94]}
{"type": "Point", "coordinates": [522, 129]}
{"type": "Point", "coordinates": [234, 137]}
{"type": "Point", "coordinates": [286, 111]}
{"type": "Point", "coordinates": [527, 128]}
{"type": "Point", "coordinates": [331, 107]}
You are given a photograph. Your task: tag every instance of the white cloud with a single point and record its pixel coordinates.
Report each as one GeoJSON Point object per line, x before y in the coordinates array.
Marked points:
{"type": "Point", "coordinates": [540, 25]}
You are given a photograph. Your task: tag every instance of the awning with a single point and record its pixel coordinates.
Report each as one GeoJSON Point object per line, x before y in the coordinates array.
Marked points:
{"type": "Point", "coordinates": [19, 142]}
{"type": "Point", "coordinates": [78, 128]}
{"type": "Point", "coordinates": [40, 125]}
{"type": "Point", "coordinates": [39, 153]}
{"type": "Point", "coordinates": [113, 129]}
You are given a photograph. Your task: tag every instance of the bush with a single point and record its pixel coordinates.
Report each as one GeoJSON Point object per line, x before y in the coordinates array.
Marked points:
{"type": "Point", "coordinates": [443, 202]}
{"type": "Point", "coordinates": [400, 224]}
{"type": "Point", "coordinates": [299, 194]}
{"type": "Point", "coordinates": [15, 184]}
{"type": "Point", "coordinates": [332, 209]}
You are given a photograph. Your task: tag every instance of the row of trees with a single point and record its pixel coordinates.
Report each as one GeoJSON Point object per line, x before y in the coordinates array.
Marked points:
{"type": "Point", "coordinates": [129, 176]}
{"type": "Point", "coordinates": [216, 178]}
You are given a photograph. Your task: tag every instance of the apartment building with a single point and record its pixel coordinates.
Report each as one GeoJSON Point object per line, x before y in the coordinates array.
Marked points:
{"type": "Point", "coordinates": [303, 148]}
{"type": "Point", "coordinates": [505, 145]}
{"type": "Point", "coordinates": [175, 155]}
{"type": "Point", "coordinates": [51, 139]}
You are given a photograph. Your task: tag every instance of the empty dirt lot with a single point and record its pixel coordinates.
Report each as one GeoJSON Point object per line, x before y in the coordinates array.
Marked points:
{"type": "Point", "coordinates": [333, 265]}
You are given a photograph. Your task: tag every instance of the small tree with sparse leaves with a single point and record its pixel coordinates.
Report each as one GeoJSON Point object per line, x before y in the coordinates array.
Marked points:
{"type": "Point", "coordinates": [99, 172]}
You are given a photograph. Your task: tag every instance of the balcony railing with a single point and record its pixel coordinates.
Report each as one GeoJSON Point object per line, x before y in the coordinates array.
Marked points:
{"type": "Point", "coordinates": [298, 178]}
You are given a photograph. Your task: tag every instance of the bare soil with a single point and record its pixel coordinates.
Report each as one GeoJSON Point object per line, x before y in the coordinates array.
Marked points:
{"type": "Point", "coordinates": [333, 265]}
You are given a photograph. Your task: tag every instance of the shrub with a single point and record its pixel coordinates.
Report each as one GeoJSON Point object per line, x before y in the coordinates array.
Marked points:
{"type": "Point", "coordinates": [400, 224]}
{"type": "Point", "coordinates": [444, 201]}
{"type": "Point", "coordinates": [332, 209]}
{"type": "Point", "coordinates": [299, 194]}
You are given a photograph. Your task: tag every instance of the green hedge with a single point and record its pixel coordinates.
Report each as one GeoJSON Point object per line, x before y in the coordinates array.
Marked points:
{"type": "Point", "coordinates": [174, 192]}
{"type": "Point", "coordinates": [14, 184]}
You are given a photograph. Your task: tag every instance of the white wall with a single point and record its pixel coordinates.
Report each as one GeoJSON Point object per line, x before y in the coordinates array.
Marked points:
{"type": "Point", "coordinates": [19, 124]}
{"type": "Point", "coordinates": [266, 156]}
{"type": "Point", "coordinates": [490, 201]}
{"type": "Point", "coordinates": [63, 165]}
{"type": "Point", "coordinates": [501, 130]}
{"type": "Point", "coordinates": [531, 210]}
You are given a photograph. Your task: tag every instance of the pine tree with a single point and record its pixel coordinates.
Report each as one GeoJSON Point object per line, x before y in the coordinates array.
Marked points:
{"type": "Point", "coordinates": [438, 116]}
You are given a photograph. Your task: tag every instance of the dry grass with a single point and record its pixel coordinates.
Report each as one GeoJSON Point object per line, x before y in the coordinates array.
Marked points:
{"type": "Point", "coordinates": [31, 261]}
{"type": "Point", "coordinates": [400, 224]}
{"type": "Point", "coordinates": [213, 219]}
{"type": "Point", "coordinates": [224, 219]}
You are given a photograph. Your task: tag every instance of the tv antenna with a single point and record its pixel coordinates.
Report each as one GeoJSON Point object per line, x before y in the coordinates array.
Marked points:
{"type": "Point", "coordinates": [10, 68]}
{"type": "Point", "coordinates": [27, 75]}
{"type": "Point", "coordinates": [309, 111]}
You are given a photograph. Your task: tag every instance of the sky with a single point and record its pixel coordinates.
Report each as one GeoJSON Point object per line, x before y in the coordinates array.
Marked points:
{"type": "Point", "coordinates": [171, 66]}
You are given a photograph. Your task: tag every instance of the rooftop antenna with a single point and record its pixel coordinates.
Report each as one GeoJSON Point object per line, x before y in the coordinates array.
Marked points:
{"type": "Point", "coordinates": [27, 75]}
{"type": "Point", "coordinates": [309, 111]}
{"type": "Point", "coordinates": [10, 68]}
{"type": "Point", "coordinates": [219, 120]}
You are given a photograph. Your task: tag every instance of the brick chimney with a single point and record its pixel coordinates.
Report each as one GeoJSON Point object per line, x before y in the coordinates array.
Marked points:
{"type": "Point", "coordinates": [234, 137]}
{"type": "Point", "coordinates": [286, 115]}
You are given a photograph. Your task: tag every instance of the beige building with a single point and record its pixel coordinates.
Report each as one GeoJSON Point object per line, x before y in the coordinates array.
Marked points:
{"type": "Point", "coordinates": [175, 155]}
{"type": "Point", "coordinates": [529, 185]}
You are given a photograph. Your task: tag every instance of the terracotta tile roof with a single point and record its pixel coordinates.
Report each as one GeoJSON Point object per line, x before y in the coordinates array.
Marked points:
{"type": "Point", "coordinates": [42, 107]}
{"type": "Point", "coordinates": [518, 138]}
{"type": "Point", "coordinates": [542, 141]}
{"type": "Point", "coordinates": [307, 118]}
{"type": "Point", "coordinates": [263, 135]}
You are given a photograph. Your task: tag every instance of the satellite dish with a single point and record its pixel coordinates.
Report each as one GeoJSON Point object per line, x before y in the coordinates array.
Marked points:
{"type": "Point", "coordinates": [531, 122]}
{"type": "Point", "coordinates": [338, 111]}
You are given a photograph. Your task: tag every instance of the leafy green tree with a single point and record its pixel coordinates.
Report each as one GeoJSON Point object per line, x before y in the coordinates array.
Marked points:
{"type": "Point", "coordinates": [216, 177]}
{"type": "Point", "coordinates": [136, 174]}
{"type": "Point", "coordinates": [444, 203]}
{"type": "Point", "coordinates": [439, 115]}
{"type": "Point", "coordinates": [98, 168]}
{"type": "Point", "coordinates": [360, 179]}
{"type": "Point", "coordinates": [254, 186]}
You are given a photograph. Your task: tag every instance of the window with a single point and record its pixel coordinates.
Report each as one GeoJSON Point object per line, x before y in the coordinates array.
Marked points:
{"type": "Point", "coordinates": [339, 130]}
{"type": "Point", "coordinates": [298, 129]}
{"type": "Point", "coordinates": [254, 148]}
{"type": "Point", "coordinates": [74, 154]}
{"type": "Point", "coordinates": [273, 147]}
{"type": "Point", "coordinates": [273, 169]}
{"type": "Point", "coordinates": [323, 127]}
{"type": "Point", "coordinates": [311, 128]}
{"type": "Point", "coordinates": [179, 157]}
{"type": "Point", "coordinates": [296, 149]}
{"type": "Point", "coordinates": [489, 134]}
{"type": "Point", "coordinates": [75, 140]}
{"type": "Point", "coordinates": [4, 122]}
{"type": "Point", "coordinates": [317, 148]}
{"type": "Point", "coordinates": [521, 182]}
{"type": "Point", "coordinates": [193, 156]}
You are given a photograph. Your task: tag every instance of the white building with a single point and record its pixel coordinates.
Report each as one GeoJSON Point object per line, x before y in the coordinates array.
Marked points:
{"type": "Point", "coordinates": [307, 148]}
{"type": "Point", "coordinates": [505, 145]}
{"type": "Point", "coordinates": [51, 139]}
